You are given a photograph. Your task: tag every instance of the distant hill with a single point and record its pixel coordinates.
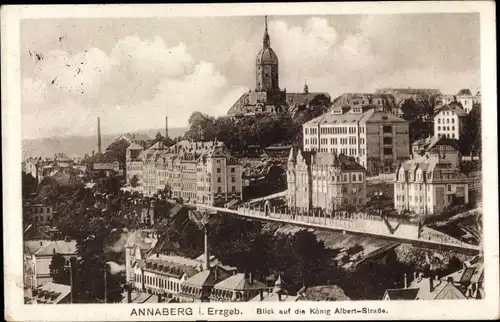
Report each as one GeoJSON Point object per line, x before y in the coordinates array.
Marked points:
{"type": "Point", "coordinates": [79, 145]}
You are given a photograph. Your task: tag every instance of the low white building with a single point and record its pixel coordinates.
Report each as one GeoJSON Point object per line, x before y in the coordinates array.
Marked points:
{"type": "Point", "coordinates": [449, 121]}
{"type": "Point", "coordinates": [38, 256]}
{"type": "Point", "coordinates": [431, 180]}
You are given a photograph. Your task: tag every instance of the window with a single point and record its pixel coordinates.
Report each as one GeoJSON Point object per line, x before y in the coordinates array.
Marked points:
{"type": "Point", "coordinates": [387, 140]}
{"type": "Point", "coordinates": [219, 190]}
{"type": "Point", "coordinates": [387, 129]}
{"type": "Point", "coordinates": [218, 169]}
{"type": "Point", "coordinates": [439, 121]}
{"type": "Point", "coordinates": [233, 189]}
{"type": "Point", "coordinates": [360, 177]}
{"type": "Point", "coordinates": [439, 128]}
{"type": "Point", "coordinates": [453, 128]}
{"type": "Point", "coordinates": [387, 151]}
{"type": "Point", "coordinates": [232, 170]}
{"type": "Point", "coordinates": [233, 179]}
{"type": "Point", "coordinates": [219, 180]}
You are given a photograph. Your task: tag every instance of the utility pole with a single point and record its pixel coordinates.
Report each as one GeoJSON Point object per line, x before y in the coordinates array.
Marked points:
{"type": "Point", "coordinates": [105, 287]}
{"type": "Point", "coordinates": [70, 281]}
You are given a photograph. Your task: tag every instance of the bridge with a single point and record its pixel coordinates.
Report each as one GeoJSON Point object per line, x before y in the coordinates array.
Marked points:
{"type": "Point", "coordinates": [390, 229]}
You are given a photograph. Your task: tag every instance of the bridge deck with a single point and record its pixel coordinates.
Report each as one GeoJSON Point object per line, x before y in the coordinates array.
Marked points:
{"type": "Point", "coordinates": [428, 238]}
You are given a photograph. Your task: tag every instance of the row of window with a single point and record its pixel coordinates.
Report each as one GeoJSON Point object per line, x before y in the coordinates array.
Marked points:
{"type": "Point", "coordinates": [158, 282]}
{"type": "Point", "coordinates": [446, 128]}
{"type": "Point", "coordinates": [447, 121]}
{"type": "Point", "coordinates": [447, 135]}
{"type": "Point", "coordinates": [41, 210]}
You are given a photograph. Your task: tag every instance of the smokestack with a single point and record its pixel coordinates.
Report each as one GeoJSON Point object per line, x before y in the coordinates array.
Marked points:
{"type": "Point", "coordinates": [405, 281]}
{"type": "Point", "coordinates": [207, 254]}
{"type": "Point", "coordinates": [166, 127]}
{"type": "Point", "coordinates": [99, 150]}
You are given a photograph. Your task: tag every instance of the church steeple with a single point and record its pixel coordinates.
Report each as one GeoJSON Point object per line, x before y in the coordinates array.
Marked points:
{"type": "Point", "coordinates": [267, 40]}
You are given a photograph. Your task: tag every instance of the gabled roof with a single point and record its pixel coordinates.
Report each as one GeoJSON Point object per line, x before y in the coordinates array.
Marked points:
{"type": "Point", "coordinates": [135, 146]}
{"type": "Point", "coordinates": [57, 246]}
{"type": "Point", "coordinates": [51, 293]}
{"type": "Point", "coordinates": [401, 294]}
{"type": "Point", "coordinates": [453, 107]}
{"type": "Point", "coordinates": [239, 282]}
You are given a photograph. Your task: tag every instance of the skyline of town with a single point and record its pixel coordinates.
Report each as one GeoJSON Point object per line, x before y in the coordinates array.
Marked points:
{"type": "Point", "coordinates": [357, 49]}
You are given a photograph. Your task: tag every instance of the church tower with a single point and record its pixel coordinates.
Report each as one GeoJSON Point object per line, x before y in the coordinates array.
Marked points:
{"type": "Point", "coordinates": [267, 66]}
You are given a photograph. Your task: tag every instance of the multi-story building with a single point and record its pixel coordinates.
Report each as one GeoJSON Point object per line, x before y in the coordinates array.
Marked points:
{"type": "Point", "coordinates": [431, 180]}
{"type": "Point", "coordinates": [38, 256]}
{"type": "Point", "coordinates": [379, 141]}
{"type": "Point", "coordinates": [466, 100]}
{"type": "Point", "coordinates": [380, 101]}
{"type": "Point", "coordinates": [449, 121]}
{"type": "Point", "coordinates": [134, 163]}
{"type": "Point", "coordinates": [324, 180]}
{"type": "Point", "coordinates": [203, 172]}
{"type": "Point", "coordinates": [40, 214]}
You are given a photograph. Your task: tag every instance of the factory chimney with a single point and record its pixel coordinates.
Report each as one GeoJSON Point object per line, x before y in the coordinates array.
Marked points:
{"type": "Point", "coordinates": [206, 261]}
{"type": "Point", "coordinates": [99, 150]}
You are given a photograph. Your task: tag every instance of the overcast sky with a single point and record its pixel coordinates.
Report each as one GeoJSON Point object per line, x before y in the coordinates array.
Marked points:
{"type": "Point", "coordinates": [134, 72]}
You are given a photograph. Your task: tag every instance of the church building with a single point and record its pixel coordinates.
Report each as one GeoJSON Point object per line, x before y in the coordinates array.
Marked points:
{"type": "Point", "coordinates": [268, 97]}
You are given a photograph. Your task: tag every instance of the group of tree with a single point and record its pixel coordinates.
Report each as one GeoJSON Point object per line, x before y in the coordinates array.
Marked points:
{"type": "Point", "coordinates": [29, 184]}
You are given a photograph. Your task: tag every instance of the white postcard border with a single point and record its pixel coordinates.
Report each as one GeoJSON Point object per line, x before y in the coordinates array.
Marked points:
{"type": "Point", "coordinates": [16, 310]}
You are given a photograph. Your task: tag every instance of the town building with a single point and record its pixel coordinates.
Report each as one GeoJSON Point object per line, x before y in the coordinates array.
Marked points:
{"type": "Point", "coordinates": [431, 179]}
{"type": "Point", "coordinates": [134, 163]}
{"type": "Point", "coordinates": [198, 287]}
{"type": "Point", "coordinates": [50, 293]}
{"type": "Point", "coordinates": [107, 168]}
{"type": "Point", "coordinates": [38, 256]}
{"type": "Point", "coordinates": [379, 141]}
{"type": "Point", "coordinates": [141, 139]}
{"type": "Point", "coordinates": [138, 245]}
{"type": "Point", "coordinates": [276, 294]}
{"type": "Point", "coordinates": [381, 101]}
{"type": "Point", "coordinates": [449, 121]}
{"type": "Point", "coordinates": [470, 279]}
{"type": "Point", "coordinates": [268, 97]}
{"type": "Point", "coordinates": [324, 180]}
{"type": "Point", "coordinates": [237, 288]}
{"type": "Point", "coordinates": [40, 214]}
{"type": "Point", "coordinates": [466, 283]}
{"type": "Point", "coordinates": [201, 172]}
{"type": "Point", "coordinates": [465, 97]}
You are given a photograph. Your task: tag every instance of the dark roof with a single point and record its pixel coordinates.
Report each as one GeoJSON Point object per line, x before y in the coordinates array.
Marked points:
{"type": "Point", "coordinates": [402, 293]}
{"type": "Point", "coordinates": [454, 107]}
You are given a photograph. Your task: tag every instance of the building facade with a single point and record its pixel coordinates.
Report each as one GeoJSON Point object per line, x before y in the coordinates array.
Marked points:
{"type": "Point", "coordinates": [379, 141]}
{"type": "Point", "coordinates": [449, 121]}
{"type": "Point", "coordinates": [38, 256]}
{"type": "Point", "coordinates": [40, 214]}
{"type": "Point", "coordinates": [324, 180]}
{"type": "Point", "coordinates": [134, 163]}
{"type": "Point", "coordinates": [201, 172]}
{"type": "Point", "coordinates": [431, 180]}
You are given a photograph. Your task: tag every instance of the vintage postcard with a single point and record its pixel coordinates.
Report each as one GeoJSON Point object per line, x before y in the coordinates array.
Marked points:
{"type": "Point", "coordinates": [308, 161]}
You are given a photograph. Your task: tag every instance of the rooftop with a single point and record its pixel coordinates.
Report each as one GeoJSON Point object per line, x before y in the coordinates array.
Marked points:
{"type": "Point", "coordinates": [51, 293]}
{"type": "Point", "coordinates": [239, 282]}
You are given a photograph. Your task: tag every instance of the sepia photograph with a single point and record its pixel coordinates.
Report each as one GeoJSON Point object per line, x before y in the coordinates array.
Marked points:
{"type": "Point", "coordinates": [269, 158]}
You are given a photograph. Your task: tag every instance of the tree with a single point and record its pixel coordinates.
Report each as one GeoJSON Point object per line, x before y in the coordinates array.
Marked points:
{"type": "Point", "coordinates": [29, 184]}
{"type": "Point", "coordinates": [134, 182]}
{"type": "Point", "coordinates": [116, 151]}
{"type": "Point", "coordinates": [470, 141]}
{"type": "Point", "coordinates": [464, 92]}
{"type": "Point", "coordinates": [58, 271]}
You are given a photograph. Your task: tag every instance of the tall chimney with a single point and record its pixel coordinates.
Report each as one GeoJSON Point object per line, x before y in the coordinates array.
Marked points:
{"type": "Point", "coordinates": [405, 281]}
{"type": "Point", "coordinates": [207, 252]}
{"type": "Point", "coordinates": [166, 127]}
{"type": "Point", "coordinates": [99, 150]}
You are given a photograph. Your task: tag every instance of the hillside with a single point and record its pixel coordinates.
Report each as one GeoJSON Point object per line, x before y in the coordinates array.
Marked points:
{"type": "Point", "coordinates": [79, 145]}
